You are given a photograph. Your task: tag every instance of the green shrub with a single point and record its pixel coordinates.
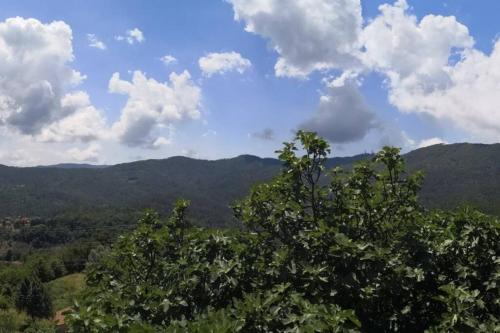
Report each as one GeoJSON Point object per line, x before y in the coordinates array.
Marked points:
{"type": "Point", "coordinates": [4, 303]}
{"type": "Point", "coordinates": [12, 321]}
{"type": "Point", "coordinates": [40, 326]}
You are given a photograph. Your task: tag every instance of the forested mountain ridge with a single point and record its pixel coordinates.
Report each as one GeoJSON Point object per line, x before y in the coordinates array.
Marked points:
{"type": "Point", "coordinates": [454, 174]}
{"type": "Point", "coordinates": [74, 166]}
{"type": "Point", "coordinates": [211, 185]}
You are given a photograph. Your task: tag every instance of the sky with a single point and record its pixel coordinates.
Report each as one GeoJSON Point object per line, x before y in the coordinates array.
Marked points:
{"type": "Point", "coordinates": [107, 82]}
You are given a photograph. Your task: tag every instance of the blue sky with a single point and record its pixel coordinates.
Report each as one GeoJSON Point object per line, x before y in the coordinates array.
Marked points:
{"type": "Point", "coordinates": [415, 92]}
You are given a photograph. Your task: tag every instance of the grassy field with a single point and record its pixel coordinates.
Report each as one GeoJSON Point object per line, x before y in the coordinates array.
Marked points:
{"type": "Point", "coordinates": [65, 289]}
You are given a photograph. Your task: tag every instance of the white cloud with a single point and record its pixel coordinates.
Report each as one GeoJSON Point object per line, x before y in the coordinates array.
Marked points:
{"type": "Point", "coordinates": [85, 124]}
{"type": "Point", "coordinates": [168, 59]}
{"type": "Point", "coordinates": [391, 135]}
{"type": "Point", "coordinates": [209, 133]}
{"type": "Point", "coordinates": [18, 157]}
{"type": "Point", "coordinates": [161, 141]}
{"type": "Point", "coordinates": [132, 36]}
{"type": "Point", "coordinates": [152, 105]}
{"type": "Point", "coordinates": [308, 35]}
{"type": "Point", "coordinates": [220, 63]}
{"type": "Point", "coordinates": [35, 73]}
{"type": "Point", "coordinates": [415, 56]}
{"type": "Point", "coordinates": [341, 80]}
{"type": "Point", "coordinates": [430, 64]}
{"type": "Point", "coordinates": [135, 35]}
{"type": "Point", "coordinates": [409, 51]}
{"type": "Point", "coordinates": [89, 154]}
{"type": "Point", "coordinates": [470, 98]}
{"type": "Point", "coordinates": [95, 42]}
{"type": "Point", "coordinates": [431, 142]}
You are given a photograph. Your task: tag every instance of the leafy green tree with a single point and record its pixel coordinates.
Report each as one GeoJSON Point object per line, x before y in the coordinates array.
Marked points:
{"type": "Point", "coordinates": [43, 269]}
{"type": "Point", "coordinates": [11, 321]}
{"type": "Point", "coordinates": [75, 256]}
{"type": "Point", "coordinates": [58, 267]}
{"type": "Point", "coordinates": [33, 298]}
{"type": "Point", "coordinates": [323, 251]}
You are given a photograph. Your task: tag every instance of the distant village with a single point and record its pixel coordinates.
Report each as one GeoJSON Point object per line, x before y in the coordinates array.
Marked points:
{"type": "Point", "coordinates": [14, 223]}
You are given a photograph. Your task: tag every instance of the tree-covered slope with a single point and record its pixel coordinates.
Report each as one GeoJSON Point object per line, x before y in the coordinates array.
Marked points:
{"type": "Point", "coordinates": [459, 174]}
{"type": "Point", "coordinates": [211, 185]}
{"type": "Point", "coordinates": [454, 174]}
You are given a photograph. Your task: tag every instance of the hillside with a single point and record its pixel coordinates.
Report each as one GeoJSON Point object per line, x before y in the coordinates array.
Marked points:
{"type": "Point", "coordinates": [458, 174]}
{"type": "Point", "coordinates": [454, 174]}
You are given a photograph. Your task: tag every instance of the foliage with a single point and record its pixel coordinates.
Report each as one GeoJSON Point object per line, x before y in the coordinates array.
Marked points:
{"type": "Point", "coordinates": [34, 298]}
{"type": "Point", "coordinates": [4, 303]}
{"type": "Point", "coordinates": [11, 320]}
{"type": "Point", "coordinates": [40, 326]}
{"type": "Point", "coordinates": [26, 288]}
{"type": "Point", "coordinates": [323, 252]}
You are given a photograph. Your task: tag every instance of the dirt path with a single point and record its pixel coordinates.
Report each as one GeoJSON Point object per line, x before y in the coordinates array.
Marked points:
{"type": "Point", "coordinates": [59, 319]}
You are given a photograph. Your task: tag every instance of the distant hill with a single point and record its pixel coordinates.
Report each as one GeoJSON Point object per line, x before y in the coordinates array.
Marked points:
{"type": "Point", "coordinates": [458, 174]}
{"type": "Point", "coordinates": [455, 174]}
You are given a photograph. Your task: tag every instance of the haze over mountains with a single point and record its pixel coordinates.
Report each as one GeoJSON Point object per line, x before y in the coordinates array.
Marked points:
{"type": "Point", "coordinates": [454, 174]}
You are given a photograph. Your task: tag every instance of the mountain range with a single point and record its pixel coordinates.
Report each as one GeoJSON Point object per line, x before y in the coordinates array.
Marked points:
{"type": "Point", "coordinates": [455, 174]}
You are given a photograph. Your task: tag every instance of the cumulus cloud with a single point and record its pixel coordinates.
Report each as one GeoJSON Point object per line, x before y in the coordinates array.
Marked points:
{"type": "Point", "coordinates": [84, 124]}
{"type": "Point", "coordinates": [342, 115]}
{"type": "Point", "coordinates": [416, 58]}
{"type": "Point", "coordinates": [434, 69]}
{"type": "Point", "coordinates": [35, 74]}
{"type": "Point", "coordinates": [409, 51]}
{"type": "Point", "coordinates": [152, 105]}
{"type": "Point", "coordinates": [168, 59]}
{"type": "Point", "coordinates": [265, 134]}
{"type": "Point", "coordinates": [95, 42]}
{"type": "Point", "coordinates": [470, 98]}
{"type": "Point", "coordinates": [308, 35]}
{"type": "Point", "coordinates": [132, 36]}
{"type": "Point", "coordinates": [161, 141]}
{"type": "Point", "coordinates": [430, 64]}
{"type": "Point", "coordinates": [18, 157]}
{"type": "Point", "coordinates": [220, 63]}
{"type": "Point", "coordinates": [89, 154]}
{"type": "Point", "coordinates": [392, 135]}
